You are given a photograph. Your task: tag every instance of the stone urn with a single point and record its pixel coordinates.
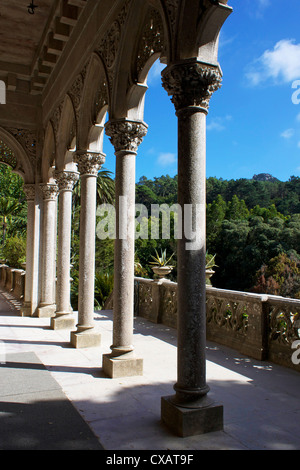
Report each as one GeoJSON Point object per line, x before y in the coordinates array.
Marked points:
{"type": "Point", "coordinates": [162, 271]}
{"type": "Point", "coordinates": [208, 275]}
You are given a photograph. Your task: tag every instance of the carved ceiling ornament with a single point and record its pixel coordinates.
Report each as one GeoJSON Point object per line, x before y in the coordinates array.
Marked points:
{"type": "Point", "coordinates": [191, 83]}
{"type": "Point", "coordinates": [126, 135]}
{"type": "Point", "coordinates": [109, 44]}
{"type": "Point", "coordinates": [7, 156]}
{"type": "Point", "coordinates": [28, 140]}
{"type": "Point", "coordinates": [152, 40]}
{"type": "Point", "coordinates": [172, 9]}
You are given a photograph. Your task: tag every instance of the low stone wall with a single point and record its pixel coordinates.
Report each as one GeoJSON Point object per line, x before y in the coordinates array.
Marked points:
{"type": "Point", "coordinates": [263, 327]}
{"type": "Point", "coordinates": [13, 281]}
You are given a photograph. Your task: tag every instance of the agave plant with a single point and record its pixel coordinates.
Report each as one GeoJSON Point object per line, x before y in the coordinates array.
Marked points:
{"type": "Point", "coordinates": [162, 260]}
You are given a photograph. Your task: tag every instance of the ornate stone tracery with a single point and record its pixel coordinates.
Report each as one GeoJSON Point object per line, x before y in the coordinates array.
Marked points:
{"type": "Point", "coordinates": [7, 156]}
{"type": "Point", "coordinates": [152, 40]}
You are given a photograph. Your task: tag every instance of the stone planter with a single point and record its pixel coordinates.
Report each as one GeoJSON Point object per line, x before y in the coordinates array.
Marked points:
{"type": "Point", "coordinates": [162, 271]}
{"type": "Point", "coordinates": [208, 275]}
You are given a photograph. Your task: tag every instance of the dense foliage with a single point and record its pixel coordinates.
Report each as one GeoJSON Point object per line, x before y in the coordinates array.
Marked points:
{"type": "Point", "coordinates": [253, 227]}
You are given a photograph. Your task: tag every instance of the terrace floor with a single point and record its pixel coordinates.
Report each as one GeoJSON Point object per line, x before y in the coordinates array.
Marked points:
{"type": "Point", "coordinates": [53, 396]}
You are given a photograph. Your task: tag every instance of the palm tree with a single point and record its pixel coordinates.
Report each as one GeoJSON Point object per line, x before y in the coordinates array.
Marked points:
{"type": "Point", "coordinates": [8, 207]}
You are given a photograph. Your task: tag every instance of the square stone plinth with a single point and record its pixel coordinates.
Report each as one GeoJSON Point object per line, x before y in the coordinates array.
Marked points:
{"type": "Point", "coordinates": [85, 339]}
{"type": "Point", "coordinates": [25, 311]}
{"type": "Point", "coordinates": [186, 422]}
{"type": "Point", "coordinates": [115, 367]}
{"type": "Point", "coordinates": [63, 322]}
{"type": "Point", "coordinates": [46, 311]}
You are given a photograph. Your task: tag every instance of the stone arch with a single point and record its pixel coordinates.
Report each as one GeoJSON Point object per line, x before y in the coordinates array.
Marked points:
{"type": "Point", "coordinates": [13, 154]}
{"type": "Point", "coordinates": [141, 44]}
{"type": "Point", "coordinates": [49, 154]}
{"type": "Point", "coordinates": [66, 134]}
{"type": "Point", "coordinates": [197, 29]}
{"type": "Point", "coordinates": [94, 104]}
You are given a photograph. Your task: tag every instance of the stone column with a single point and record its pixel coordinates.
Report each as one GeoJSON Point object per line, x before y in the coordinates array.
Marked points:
{"type": "Point", "coordinates": [86, 334]}
{"type": "Point", "coordinates": [63, 316]}
{"type": "Point", "coordinates": [47, 305]}
{"type": "Point", "coordinates": [29, 191]}
{"type": "Point", "coordinates": [191, 411]}
{"type": "Point", "coordinates": [125, 136]}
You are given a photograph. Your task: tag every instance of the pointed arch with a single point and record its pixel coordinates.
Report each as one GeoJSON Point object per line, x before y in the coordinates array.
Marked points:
{"type": "Point", "coordinates": [66, 134]}
{"type": "Point", "coordinates": [94, 104]}
{"type": "Point", "coordinates": [13, 154]}
{"type": "Point", "coordinates": [49, 153]}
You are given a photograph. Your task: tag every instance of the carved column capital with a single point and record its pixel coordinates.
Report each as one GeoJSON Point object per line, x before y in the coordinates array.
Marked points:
{"type": "Point", "coordinates": [49, 191]}
{"type": "Point", "coordinates": [89, 163]}
{"type": "Point", "coordinates": [191, 84]}
{"type": "Point", "coordinates": [66, 180]}
{"type": "Point", "coordinates": [29, 191]}
{"type": "Point", "coordinates": [126, 135]}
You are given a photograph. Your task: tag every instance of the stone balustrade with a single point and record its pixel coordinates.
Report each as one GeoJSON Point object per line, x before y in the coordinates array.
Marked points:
{"type": "Point", "coordinates": [263, 327]}
{"type": "Point", "coordinates": [13, 281]}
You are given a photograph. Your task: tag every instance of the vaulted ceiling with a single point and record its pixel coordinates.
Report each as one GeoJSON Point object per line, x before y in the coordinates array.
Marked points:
{"type": "Point", "coordinates": [30, 44]}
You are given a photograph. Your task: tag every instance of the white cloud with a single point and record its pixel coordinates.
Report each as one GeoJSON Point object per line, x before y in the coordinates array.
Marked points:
{"type": "Point", "coordinates": [287, 134]}
{"type": "Point", "coordinates": [218, 123]}
{"type": "Point", "coordinates": [166, 159]}
{"type": "Point", "coordinates": [298, 117]}
{"type": "Point", "coordinates": [281, 64]}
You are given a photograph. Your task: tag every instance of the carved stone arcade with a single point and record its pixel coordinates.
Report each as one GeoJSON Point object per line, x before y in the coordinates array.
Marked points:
{"type": "Point", "coordinates": [90, 67]}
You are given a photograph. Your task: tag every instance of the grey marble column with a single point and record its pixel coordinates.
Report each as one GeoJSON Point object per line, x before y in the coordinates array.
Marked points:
{"type": "Point", "coordinates": [29, 191]}
{"type": "Point", "coordinates": [63, 316]}
{"type": "Point", "coordinates": [87, 334]}
{"type": "Point", "coordinates": [47, 304]}
{"type": "Point", "coordinates": [125, 136]}
{"type": "Point", "coordinates": [191, 411]}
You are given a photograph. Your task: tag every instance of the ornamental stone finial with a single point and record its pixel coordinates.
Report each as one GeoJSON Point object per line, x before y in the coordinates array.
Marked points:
{"type": "Point", "coordinates": [126, 135]}
{"type": "Point", "coordinates": [89, 163]}
{"type": "Point", "coordinates": [66, 180]}
{"type": "Point", "coordinates": [49, 191]}
{"type": "Point", "coordinates": [191, 83]}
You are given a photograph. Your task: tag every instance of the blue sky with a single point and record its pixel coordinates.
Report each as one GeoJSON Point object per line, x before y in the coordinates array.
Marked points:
{"type": "Point", "coordinates": [253, 125]}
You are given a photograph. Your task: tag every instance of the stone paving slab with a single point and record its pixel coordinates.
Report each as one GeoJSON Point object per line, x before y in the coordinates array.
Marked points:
{"type": "Point", "coordinates": [260, 399]}
{"type": "Point", "coordinates": [35, 414]}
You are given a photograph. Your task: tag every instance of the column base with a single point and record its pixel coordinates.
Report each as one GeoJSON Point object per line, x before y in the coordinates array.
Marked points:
{"type": "Point", "coordinates": [26, 310]}
{"type": "Point", "coordinates": [46, 311]}
{"type": "Point", "coordinates": [63, 322]}
{"type": "Point", "coordinates": [117, 367]}
{"type": "Point", "coordinates": [89, 338]}
{"type": "Point", "coordinates": [186, 422]}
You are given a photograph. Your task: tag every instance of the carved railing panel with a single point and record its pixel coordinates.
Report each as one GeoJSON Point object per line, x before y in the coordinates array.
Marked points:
{"type": "Point", "coordinates": [260, 326]}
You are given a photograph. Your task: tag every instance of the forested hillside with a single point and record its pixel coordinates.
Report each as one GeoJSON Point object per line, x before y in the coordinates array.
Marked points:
{"type": "Point", "coordinates": [253, 227]}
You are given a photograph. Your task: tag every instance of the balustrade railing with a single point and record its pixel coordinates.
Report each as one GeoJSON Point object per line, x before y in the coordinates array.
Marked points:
{"type": "Point", "coordinates": [13, 280]}
{"type": "Point", "coordinates": [259, 326]}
